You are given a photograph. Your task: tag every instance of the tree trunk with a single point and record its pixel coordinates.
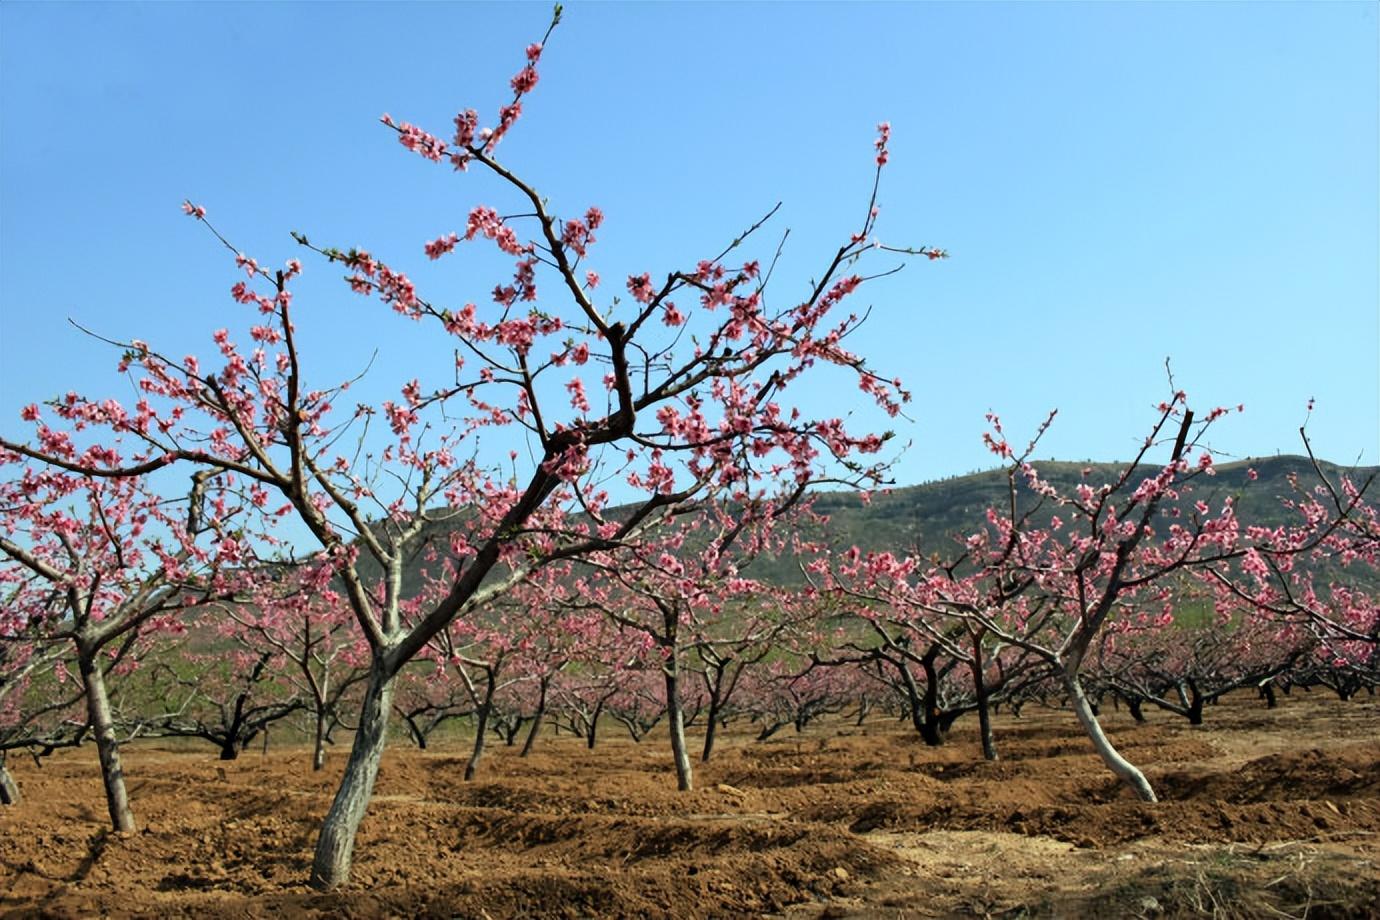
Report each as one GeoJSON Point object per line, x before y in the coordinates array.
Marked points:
{"type": "Point", "coordinates": [864, 706]}
{"type": "Point", "coordinates": [480, 730]}
{"type": "Point", "coordinates": [593, 734]}
{"type": "Point", "coordinates": [335, 847]}
{"type": "Point", "coordinates": [710, 735]}
{"type": "Point", "coordinates": [933, 728]}
{"type": "Point", "coordinates": [711, 729]}
{"type": "Point", "coordinates": [511, 730]}
{"type": "Point", "coordinates": [676, 720]}
{"type": "Point", "coordinates": [1195, 705]}
{"type": "Point", "coordinates": [9, 789]}
{"type": "Point", "coordinates": [536, 720]}
{"type": "Point", "coordinates": [107, 748]}
{"type": "Point", "coordinates": [1267, 690]}
{"type": "Point", "coordinates": [318, 751]}
{"type": "Point", "coordinates": [1133, 703]}
{"type": "Point", "coordinates": [989, 742]}
{"type": "Point", "coordinates": [917, 706]}
{"type": "Point", "coordinates": [1119, 765]}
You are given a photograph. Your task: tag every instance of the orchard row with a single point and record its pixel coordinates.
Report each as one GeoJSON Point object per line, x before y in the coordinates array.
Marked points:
{"type": "Point", "coordinates": [560, 523]}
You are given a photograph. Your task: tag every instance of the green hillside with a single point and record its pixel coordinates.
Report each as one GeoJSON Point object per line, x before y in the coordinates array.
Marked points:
{"type": "Point", "coordinates": [930, 516]}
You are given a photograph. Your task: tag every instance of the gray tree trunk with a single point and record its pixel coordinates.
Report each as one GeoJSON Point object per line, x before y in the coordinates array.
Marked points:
{"type": "Point", "coordinates": [1123, 768]}
{"type": "Point", "coordinates": [676, 718]}
{"type": "Point", "coordinates": [107, 747]}
{"type": "Point", "coordinates": [335, 847]}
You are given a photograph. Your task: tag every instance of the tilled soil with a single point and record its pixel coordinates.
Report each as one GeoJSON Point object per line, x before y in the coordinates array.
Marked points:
{"type": "Point", "coordinates": [1264, 813]}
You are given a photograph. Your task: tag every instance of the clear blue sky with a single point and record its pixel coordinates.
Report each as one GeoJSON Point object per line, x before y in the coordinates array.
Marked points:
{"type": "Point", "coordinates": [1117, 183]}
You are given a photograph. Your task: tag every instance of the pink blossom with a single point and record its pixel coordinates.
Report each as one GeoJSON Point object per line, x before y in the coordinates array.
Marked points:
{"type": "Point", "coordinates": [525, 80]}
{"type": "Point", "coordinates": [578, 400]}
{"type": "Point", "coordinates": [640, 287]}
{"type": "Point", "coordinates": [441, 245]}
{"type": "Point", "coordinates": [419, 141]}
{"type": "Point", "coordinates": [883, 138]}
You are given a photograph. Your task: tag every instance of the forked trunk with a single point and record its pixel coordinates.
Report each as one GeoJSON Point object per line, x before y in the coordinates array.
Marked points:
{"type": "Point", "coordinates": [9, 789]}
{"type": "Point", "coordinates": [676, 717]}
{"type": "Point", "coordinates": [107, 748]}
{"type": "Point", "coordinates": [335, 847]}
{"type": "Point", "coordinates": [1123, 768]}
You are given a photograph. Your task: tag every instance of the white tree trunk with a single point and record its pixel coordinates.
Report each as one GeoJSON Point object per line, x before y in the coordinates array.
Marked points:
{"type": "Point", "coordinates": [1123, 768]}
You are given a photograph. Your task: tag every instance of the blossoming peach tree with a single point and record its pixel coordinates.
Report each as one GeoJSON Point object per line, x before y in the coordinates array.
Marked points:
{"type": "Point", "coordinates": [679, 388]}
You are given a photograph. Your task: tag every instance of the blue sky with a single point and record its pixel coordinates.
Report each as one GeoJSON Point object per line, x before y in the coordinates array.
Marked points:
{"type": "Point", "coordinates": [1117, 184]}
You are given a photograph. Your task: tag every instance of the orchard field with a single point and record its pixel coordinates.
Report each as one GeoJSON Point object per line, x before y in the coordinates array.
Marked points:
{"type": "Point", "coordinates": [1268, 813]}
{"type": "Point", "coordinates": [602, 602]}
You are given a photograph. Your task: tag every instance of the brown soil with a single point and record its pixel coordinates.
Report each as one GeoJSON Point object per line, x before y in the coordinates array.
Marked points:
{"type": "Point", "coordinates": [1266, 813]}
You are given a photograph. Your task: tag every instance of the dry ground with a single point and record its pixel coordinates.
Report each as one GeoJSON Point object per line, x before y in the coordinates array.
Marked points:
{"type": "Point", "coordinates": [1266, 813]}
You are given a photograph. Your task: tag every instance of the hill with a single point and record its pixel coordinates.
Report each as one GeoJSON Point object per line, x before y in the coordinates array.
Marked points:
{"type": "Point", "coordinates": [929, 517]}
